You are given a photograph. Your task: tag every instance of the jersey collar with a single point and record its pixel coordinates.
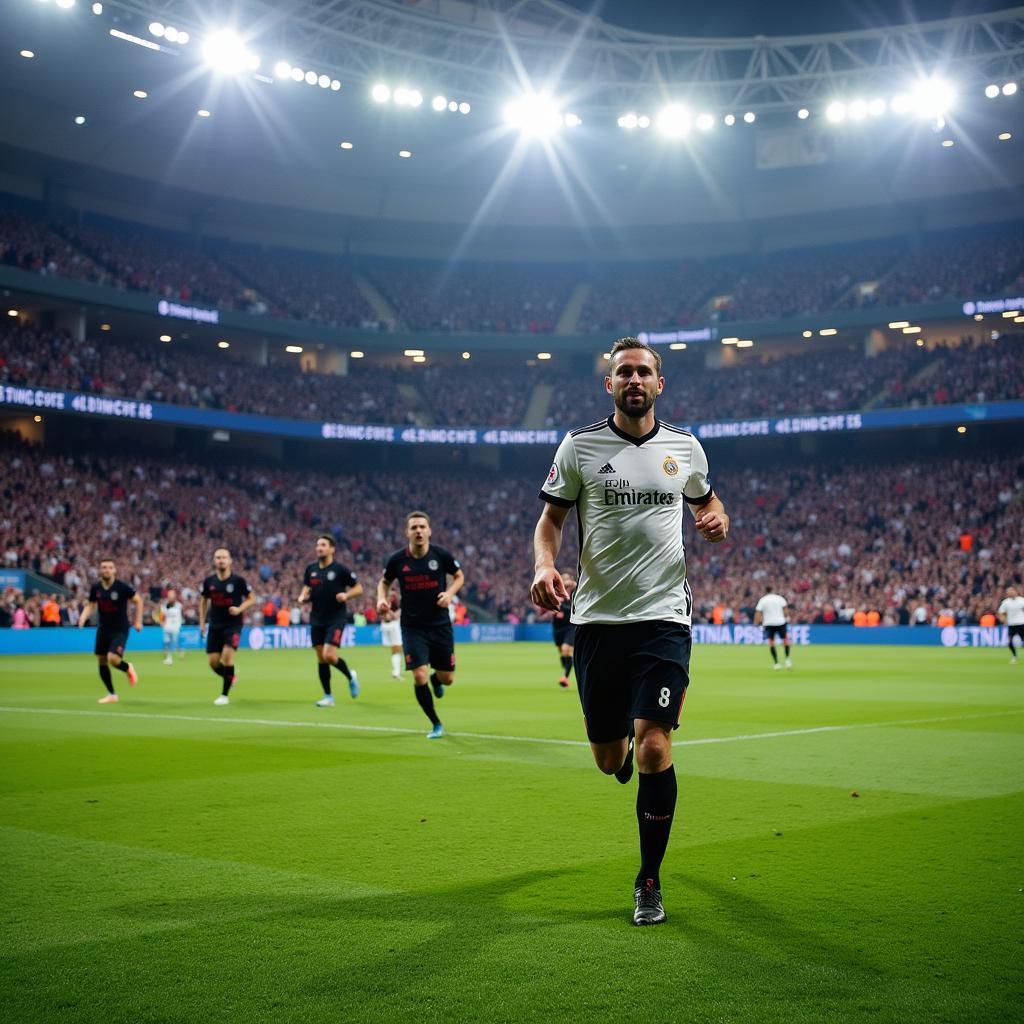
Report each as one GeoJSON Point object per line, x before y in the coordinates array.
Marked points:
{"type": "Point", "coordinates": [629, 437]}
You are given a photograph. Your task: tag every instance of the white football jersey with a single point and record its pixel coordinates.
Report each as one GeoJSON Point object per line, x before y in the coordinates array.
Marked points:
{"type": "Point", "coordinates": [629, 495]}
{"type": "Point", "coordinates": [772, 608]}
{"type": "Point", "coordinates": [170, 617]}
{"type": "Point", "coordinates": [1013, 609]}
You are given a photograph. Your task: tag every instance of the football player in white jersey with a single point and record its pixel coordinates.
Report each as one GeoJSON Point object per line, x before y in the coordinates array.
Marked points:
{"type": "Point", "coordinates": [170, 621]}
{"type": "Point", "coordinates": [1011, 612]}
{"type": "Point", "coordinates": [628, 477]}
{"type": "Point", "coordinates": [770, 611]}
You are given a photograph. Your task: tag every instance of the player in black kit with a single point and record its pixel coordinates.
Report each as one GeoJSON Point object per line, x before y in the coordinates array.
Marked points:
{"type": "Point", "coordinates": [422, 570]}
{"type": "Point", "coordinates": [226, 596]}
{"type": "Point", "coordinates": [329, 586]}
{"type": "Point", "coordinates": [112, 597]}
{"type": "Point", "coordinates": [563, 630]}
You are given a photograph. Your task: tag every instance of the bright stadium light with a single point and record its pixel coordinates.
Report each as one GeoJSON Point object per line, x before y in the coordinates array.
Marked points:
{"type": "Point", "coordinates": [357, 354]}
{"type": "Point", "coordinates": [97, 8]}
{"type": "Point", "coordinates": [858, 110]}
{"type": "Point", "coordinates": [534, 115]}
{"type": "Point", "coordinates": [729, 119]}
{"type": "Point", "coordinates": [948, 143]}
{"type": "Point", "coordinates": [345, 145]}
{"type": "Point", "coordinates": [808, 334]}
{"type": "Point", "coordinates": [749, 117]}
{"type": "Point", "coordinates": [66, 4]}
{"type": "Point", "coordinates": [335, 85]}
{"type": "Point", "coordinates": [828, 332]}
{"type": "Point", "coordinates": [678, 346]}
{"type": "Point", "coordinates": [643, 121]}
{"type": "Point", "coordinates": [705, 122]}
{"type": "Point", "coordinates": [439, 103]}
{"type": "Point", "coordinates": [223, 344]}
{"type": "Point", "coordinates": [573, 120]}
{"type": "Point", "coordinates": [311, 78]}
{"type": "Point", "coordinates": [324, 81]}
{"type": "Point", "coordinates": [380, 93]}
{"type": "Point", "coordinates": [931, 98]}
{"type": "Point", "coordinates": [203, 112]}
{"type": "Point", "coordinates": [464, 107]}
{"type": "Point", "coordinates": [401, 96]}
{"type": "Point", "coordinates": [225, 53]}
{"type": "Point", "coordinates": [877, 107]}
{"type": "Point", "coordinates": [466, 355]}
{"type": "Point", "coordinates": [673, 121]}
{"type": "Point", "coordinates": [992, 91]}
{"type": "Point", "coordinates": [282, 69]}
{"type": "Point", "coordinates": [295, 350]}
{"type": "Point", "coordinates": [901, 104]}
{"type": "Point", "coordinates": [803, 113]}
{"type": "Point", "coordinates": [1010, 89]}
{"type": "Point", "coordinates": [453, 106]}
{"type": "Point", "coordinates": [298, 74]}
{"type": "Point", "coordinates": [405, 154]}
{"type": "Point", "coordinates": [628, 121]}
{"type": "Point", "coordinates": [79, 120]}
{"type": "Point", "coordinates": [836, 112]}
{"type": "Point", "coordinates": [1004, 136]}
{"type": "Point", "coordinates": [156, 29]}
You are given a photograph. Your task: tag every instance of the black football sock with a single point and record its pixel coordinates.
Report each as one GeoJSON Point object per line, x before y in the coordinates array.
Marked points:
{"type": "Point", "coordinates": [342, 666]}
{"type": "Point", "coordinates": [567, 666]}
{"type": "Point", "coordinates": [787, 650]}
{"type": "Point", "coordinates": [325, 677]}
{"type": "Point", "coordinates": [122, 665]}
{"type": "Point", "coordinates": [227, 673]}
{"type": "Point", "coordinates": [655, 808]}
{"type": "Point", "coordinates": [1013, 650]}
{"type": "Point", "coordinates": [105, 676]}
{"type": "Point", "coordinates": [775, 656]}
{"type": "Point", "coordinates": [425, 699]}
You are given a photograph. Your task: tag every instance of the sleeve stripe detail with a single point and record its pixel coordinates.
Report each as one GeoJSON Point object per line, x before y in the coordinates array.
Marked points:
{"type": "Point", "coordinates": [588, 428]}
{"type": "Point", "coordinates": [551, 499]}
{"type": "Point", "coordinates": [678, 430]}
{"type": "Point", "coordinates": [700, 501]}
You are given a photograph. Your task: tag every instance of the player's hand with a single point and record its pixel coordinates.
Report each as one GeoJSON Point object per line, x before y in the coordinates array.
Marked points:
{"type": "Point", "coordinates": [383, 607]}
{"type": "Point", "coordinates": [548, 591]}
{"type": "Point", "coordinates": [138, 627]}
{"type": "Point", "coordinates": [713, 526]}
{"type": "Point", "coordinates": [444, 599]}
{"type": "Point", "coordinates": [234, 610]}
{"type": "Point", "coordinates": [341, 598]}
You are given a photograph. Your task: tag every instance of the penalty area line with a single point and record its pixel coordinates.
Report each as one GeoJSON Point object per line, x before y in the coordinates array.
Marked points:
{"type": "Point", "coordinates": [547, 741]}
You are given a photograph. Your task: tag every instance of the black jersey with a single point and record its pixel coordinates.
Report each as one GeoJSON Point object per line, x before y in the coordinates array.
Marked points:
{"type": "Point", "coordinates": [222, 595]}
{"type": "Point", "coordinates": [421, 580]}
{"type": "Point", "coordinates": [112, 603]}
{"type": "Point", "coordinates": [561, 620]}
{"type": "Point", "coordinates": [325, 584]}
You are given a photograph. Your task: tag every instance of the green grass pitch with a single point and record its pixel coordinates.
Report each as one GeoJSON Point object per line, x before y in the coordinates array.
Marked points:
{"type": "Point", "coordinates": [165, 860]}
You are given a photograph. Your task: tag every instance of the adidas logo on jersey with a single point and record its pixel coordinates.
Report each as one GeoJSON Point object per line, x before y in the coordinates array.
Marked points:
{"type": "Point", "coordinates": [606, 469]}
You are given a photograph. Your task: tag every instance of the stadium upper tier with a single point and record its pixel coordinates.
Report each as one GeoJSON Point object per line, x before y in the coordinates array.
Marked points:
{"type": "Point", "coordinates": [537, 298]}
{"type": "Point", "coordinates": [545, 395]}
{"type": "Point", "coordinates": [835, 539]}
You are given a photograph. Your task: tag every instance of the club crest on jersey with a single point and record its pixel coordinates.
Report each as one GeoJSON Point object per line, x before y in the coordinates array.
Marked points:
{"type": "Point", "coordinates": [553, 475]}
{"type": "Point", "coordinates": [331, 575]}
{"type": "Point", "coordinates": [670, 466]}
{"type": "Point", "coordinates": [432, 565]}
{"type": "Point", "coordinates": [113, 595]}
{"type": "Point", "coordinates": [230, 588]}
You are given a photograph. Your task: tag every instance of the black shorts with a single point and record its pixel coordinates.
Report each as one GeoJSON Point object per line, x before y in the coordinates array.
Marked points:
{"type": "Point", "coordinates": [565, 635]}
{"type": "Point", "coordinates": [430, 645]}
{"type": "Point", "coordinates": [629, 671]}
{"type": "Point", "coordinates": [219, 637]}
{"type": "Point", "coordinates": [328, 632]}
{"type": "Point", "coordinates": [771, 632]}
{"type": "Point", "coordinates": [110, 641]}
{"type": "Point", "coordinates": [1018, 632]}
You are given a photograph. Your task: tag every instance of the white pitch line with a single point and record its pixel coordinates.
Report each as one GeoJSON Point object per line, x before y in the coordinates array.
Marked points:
{"type": "Point", "coordinates": [352, 727]}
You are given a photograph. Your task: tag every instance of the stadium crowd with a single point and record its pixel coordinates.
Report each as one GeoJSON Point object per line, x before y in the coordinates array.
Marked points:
{"type": "Point", "coordinates": [472, 394]}
{"type": "Point", "coordinates": [507, 298]}
{"type": "Point", "coordinates": [835, 540]}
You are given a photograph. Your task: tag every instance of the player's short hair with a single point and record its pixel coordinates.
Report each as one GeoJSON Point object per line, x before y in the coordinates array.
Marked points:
{"type": "Point", "coordinates": [416, 514]}
{"type": "Point", "coordinates": [107, 559]}
{"type": "Point", "coordinates": [628, 343]}
{"type": "Point", "coordinates": [330, 540]}
{"type": "Point", "coordinates": [222, 548]}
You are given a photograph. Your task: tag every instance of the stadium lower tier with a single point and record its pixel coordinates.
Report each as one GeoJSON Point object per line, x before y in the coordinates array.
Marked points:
{"type": "Point", "coordinates": [932, 540]}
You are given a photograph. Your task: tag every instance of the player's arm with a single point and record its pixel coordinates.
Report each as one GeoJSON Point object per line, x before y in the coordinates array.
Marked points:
{"type": "Point", "coordinates": [712, 520]}
{"type": "Point", "coordinates": [383, 600]}
{"type": "Point", "coordinates": [758, 618]}
{"type": "Point", "coordinates": [204, 603]}
{"type": "Point", "coordinates": [304, 595]}
{"type": "Point", "coordinates": [90, 608]}
{"type": "Point", "coordinates": [244, 606]}
{"type": "Point", "coordinates": [136, 600]}
{"type": "Point", "coordinates": [548, 590]}
{"type": "Point", "coordinates": [354, 591]}
{"type": "Point", "coordinates": [445, 597]}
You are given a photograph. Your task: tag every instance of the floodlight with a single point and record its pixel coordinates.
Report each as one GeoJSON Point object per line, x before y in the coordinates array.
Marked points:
{"type": "Point", "coordinates": [827, 332]}
{"type": "Point", "coordinates": [311, 78]}
{"type": "Point", "coordinates": [836, 112]}
{"type": "Point", "coordinates": [543, 355]}
{"type": "Point", "coordinates": [140, 94]}
{"type": "Point", "coordinates": [295, 350]}
{"type": "Point", "coordinates": [858, 110]}
{"type": "Point", "coordinates": [992, 91]}
{"type": "Point", "coordinates": [156, 29]}
{"type": "Point", "coordinates": [415, 98]}
{"type": "Point", "coordinates": [346, 144]}
{"type": "Point", "coordinates": [705, 122]}
{"type": "Point", "coordinates": [643, 121]}
{"type": "Point", "coordinates": [439, 103]}
{"type": "Point", "coordinates": [97, 8]}
{"type": "Point", "coordinates": [464, 107]}
{"type": "Point", "coordinates": [357, 354]}
{"type": "Point", "coordinates": [165, 338]}
{"type": "Point", "coordinates": [335, 85]}
{"type": "Point", "coordinates": [223, 344]}
{"type": "Point", "coordinates": [453, 106]}
{"type": "Point", "coordinates": [183, 38]}
{"type": "Point", "coordinates": [171, 34]}
{"type": "Point", "coordinates": [1004, 136]}
{"type": "Point", "coordinates": [1010, 89]}
{"type": "Point", "coordinates": [298, 74]}
{"type": "Point", "coordinates": [466, 355]}
{"type": "Point", "coordinates": [79, 119]}
{"type": "Point", "coordinates": [202, 112]}
{"type": "Point", "coordinates": [404, 154]}
{"type": "Point", "coordinates": [282, 69]}
{"type": "Point", "coordinates": [750, 117]}
{"type": "Point", "coordinates": [401, 96]}
{"type": "Point", "coordinates": [381, 93]}
{"type": "Point", "coordinates": [66, 4]}
{"type": "Point", "coordinates": [931, 98]}
{"type": "Point", "coordinates": [573, 120]}
{"type": "Point", "coordinates": [729, 119]}
{"type": "Point", "coordinates": [27, 54]}
{"type": "Point", "coordinates": [948, 143]}
{"type": "Point", "coordinates": [900, 104]}
{"type": "Point", "coordinates": [876, 108]}
{"type": "Point", "coordinates": [226, 54]}
{"type": "Point", "coordinates": [674, 121]}
{"type": "Point", "coordinates": [628, 121]}
{"type": "Point", "coordinates": [803, 113]}
{"type": "Point", "coordinates": [534, 115]}
{"type": "Point", "coordinates": [324, 81]}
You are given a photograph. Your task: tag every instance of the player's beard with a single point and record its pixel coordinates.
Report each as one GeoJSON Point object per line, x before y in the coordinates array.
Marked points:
{"type": "Point", "coordinates": [633, 411]}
